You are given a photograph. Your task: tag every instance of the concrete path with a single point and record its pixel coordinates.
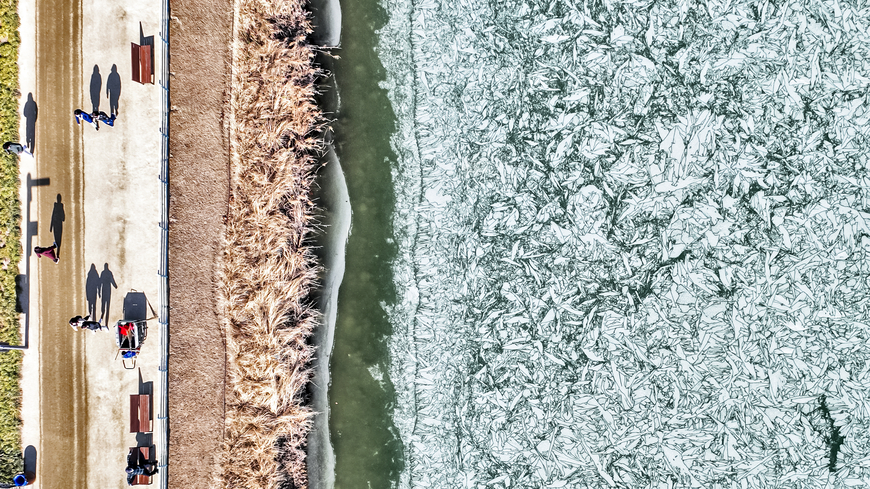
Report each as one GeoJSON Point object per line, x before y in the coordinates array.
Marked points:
{"type": "Point", "coordinates": [98, 195]}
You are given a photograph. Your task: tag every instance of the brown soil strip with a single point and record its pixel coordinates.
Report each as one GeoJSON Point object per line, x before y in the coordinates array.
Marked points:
{"type": "Point", "coordinates": [200, 33]}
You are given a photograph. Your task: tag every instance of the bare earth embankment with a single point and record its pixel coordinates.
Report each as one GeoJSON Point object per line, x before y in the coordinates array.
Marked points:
{"type": "Point", "coordinates": [242, 160]}
{"type": "Point", "coordinates": [200, 62]}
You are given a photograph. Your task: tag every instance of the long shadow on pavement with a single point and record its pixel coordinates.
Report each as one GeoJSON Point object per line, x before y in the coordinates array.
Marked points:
{"type": "Point", "coordinates": [107, 281]}
{"type": "Point", "coordinates": [113, 90]}
{"type": "Point", "coordinates": [92, 289]}
{"type": "Point", "coordinates": [96, 88]}
{"type": "Point", "coordinates": [30, 113]}
{"type": "Point", "coordinates": [58, 216]}
{"type": "Point", "coordinates": [30, 463]}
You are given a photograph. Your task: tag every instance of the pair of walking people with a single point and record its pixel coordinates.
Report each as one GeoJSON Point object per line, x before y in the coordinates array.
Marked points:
{"type": "Point", "coordinates": [97, 286]}
{"type": "Point", "coordinates": [94, 118]}
{"type": "Point", "coordinates": [79, 323]}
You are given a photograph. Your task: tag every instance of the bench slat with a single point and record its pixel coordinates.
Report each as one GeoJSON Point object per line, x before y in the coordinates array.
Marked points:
{"type": "Point", "coordinates": [145, 413]}
{"type": "Point", "coordinates": [140, 413]}
{"type": "Point", "coordinates": [145, 71]}
{"type": "Point", "coordinates": [134, 413]}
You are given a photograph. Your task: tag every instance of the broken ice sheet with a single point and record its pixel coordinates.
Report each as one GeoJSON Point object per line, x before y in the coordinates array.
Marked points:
{"type": "Point", "coordinates": [633, 243]}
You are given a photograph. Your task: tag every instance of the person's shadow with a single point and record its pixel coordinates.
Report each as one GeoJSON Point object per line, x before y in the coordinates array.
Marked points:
{"type": "Point", "coordinates": [96, 88]}
{"type": "Point", "coordinates": [92, 290]}
{"type": "Point", "coordinates": [30, 463]}
{"type": "Point", "coordinates": [57, 218]}
{"type": "Point", "coordinates": [113, 90]}
{"type": "Point", "coordinates": [107, 281]}
{"type": "Point", "coordinates": [30, 113]}
{"type": "Point", "coordinates": [147, 388]}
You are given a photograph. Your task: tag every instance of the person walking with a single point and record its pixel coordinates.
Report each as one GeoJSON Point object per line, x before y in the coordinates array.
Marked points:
{"type": "Point", "coordinates": [79, 323]}
{"type": "Point", "coordinates": [81, 115]}
{"type": "Point", "coordinates": [16, 148]}
{"type": "Point", "coordinates": [105, 119]}
{"type": "Point", "coordinates": [50, 252]}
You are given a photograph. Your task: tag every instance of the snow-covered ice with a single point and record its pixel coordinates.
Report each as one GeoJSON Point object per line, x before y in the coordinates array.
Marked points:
{"type": "Point", "coordinates": [633, 243]}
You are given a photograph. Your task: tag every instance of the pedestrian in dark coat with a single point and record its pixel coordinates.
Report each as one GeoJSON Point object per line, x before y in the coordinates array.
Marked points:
{"type": "Point", "coordinates": [16, 148]}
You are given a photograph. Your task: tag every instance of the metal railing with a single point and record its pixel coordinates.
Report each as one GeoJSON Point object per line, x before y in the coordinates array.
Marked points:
{"type": "Point", "coordinates": [162, 441]}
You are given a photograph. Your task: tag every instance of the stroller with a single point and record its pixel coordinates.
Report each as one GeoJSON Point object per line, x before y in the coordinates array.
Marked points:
{"type": "Point", "coordinates": [131, 331]}
{"type": "Point", "coordinates": [129, 336]}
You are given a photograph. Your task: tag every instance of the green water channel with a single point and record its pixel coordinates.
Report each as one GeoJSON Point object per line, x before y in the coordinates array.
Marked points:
{"type": "Point", "coordinates": [368, 452]}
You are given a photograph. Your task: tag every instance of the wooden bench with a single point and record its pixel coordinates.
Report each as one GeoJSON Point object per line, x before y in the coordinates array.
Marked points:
{"type": "Point", "coordinates": [140, 413]}
{"type": "Point", "coordinates": [141, 57]}
{"type": "Point", "coordinates": [144, 456]}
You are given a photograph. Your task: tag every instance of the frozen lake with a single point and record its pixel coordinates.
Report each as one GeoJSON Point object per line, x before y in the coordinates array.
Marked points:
{"type": "Point", "coordinates": [604, 245]}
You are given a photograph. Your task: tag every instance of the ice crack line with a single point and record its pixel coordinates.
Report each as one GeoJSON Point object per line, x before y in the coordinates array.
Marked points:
{"type": "Point", "coordinates": [834, 439]}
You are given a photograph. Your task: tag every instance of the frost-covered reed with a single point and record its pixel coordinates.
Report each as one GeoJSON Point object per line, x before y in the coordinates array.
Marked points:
{"type": "Point", "coordinates": [268, 269]}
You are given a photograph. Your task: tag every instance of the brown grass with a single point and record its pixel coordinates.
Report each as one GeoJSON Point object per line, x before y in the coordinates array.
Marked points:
{"type": "Point", "coordinates": [268, 269]}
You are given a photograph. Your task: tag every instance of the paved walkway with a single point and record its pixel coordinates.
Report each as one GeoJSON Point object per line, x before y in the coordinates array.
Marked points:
{"type": "Point", "coordinates": [98, 195]}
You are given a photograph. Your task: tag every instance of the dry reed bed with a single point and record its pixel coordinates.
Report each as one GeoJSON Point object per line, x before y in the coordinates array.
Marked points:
{"type": "Point", "coordinates": [268, 270]}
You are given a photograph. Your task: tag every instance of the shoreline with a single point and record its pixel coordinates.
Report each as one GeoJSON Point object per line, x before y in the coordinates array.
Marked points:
{"type": "Point", "coordinates": [327, 33]}
{"type": "Point", "coordinates": [321, 456]}
{"type": "Point", "coordinates": [360, 396]}
{"type": "Point", "coordinates": [334, 200]}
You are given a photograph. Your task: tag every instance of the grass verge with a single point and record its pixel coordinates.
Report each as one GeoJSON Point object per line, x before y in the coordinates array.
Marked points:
{"type": "Point", "coordinates": [10, 246]}
{"type": "Point", "coordinates": [268, 266]}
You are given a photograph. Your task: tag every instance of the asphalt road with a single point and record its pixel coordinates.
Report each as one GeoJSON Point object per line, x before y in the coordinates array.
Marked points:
{"type": "Point", "coordinates": [63, 383]}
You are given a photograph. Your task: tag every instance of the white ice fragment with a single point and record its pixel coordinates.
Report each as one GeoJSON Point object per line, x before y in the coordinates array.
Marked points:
{"type": "Point", "coordinates": [675, 460]}
{"type": "Point", "coordinates": [555, 39]}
